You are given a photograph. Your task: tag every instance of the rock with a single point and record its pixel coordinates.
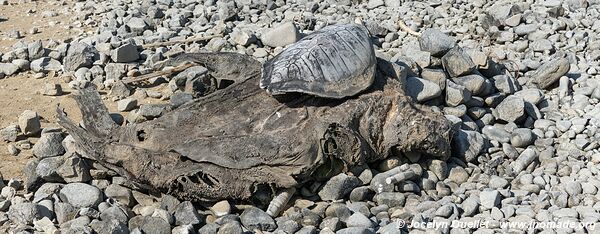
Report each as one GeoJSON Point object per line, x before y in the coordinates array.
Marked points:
{"type": "Point", "coordinates": [10, 133]}
{"type": "Point", "coordinates": [456, 94]}
{"type": "Point", "coordinates": [23, 64]}
{"type": "Point", "coordinates": [474, 83]}
{"type": "Point", "coordinates": [126, 104]}
{"type": "Point", "coordinates": [231, 227]}
{"type": "Point", "coordinates": [522, 137]}
{"type": "Point", "coordinates": [74, 169]}
{"type": "Point", "coordinates": [467, 144]}
{"type": "Point", "coordinates": [221, 208]}
{"type": "Point", "coordinates": [185, 214]}
{"type": "Point", "coordinates": [242, 37]}
{"type": "Point", "coordinates": [120, 194]}
{"type": "Point", "coordinates": [35, 50]}
{"type": "Point", "coordinates": [457, 62]}
{"type": "Point", "coordinates": [64, 212]}
{"type": "Point", "coordinates": [29, 122]}
{"type": "Point", "coordinates": [49, 145]}
{"type": "Point", "coordinates": [253, 218]}
{"type": "Point", "coordinates": [281, 35]}
{"type": "Point", "coordinates": [511, 109]}
{"type": "Point", "coordinates": [45, 225]}
{"type": "Point", "coordinates": [356, 230]}
{"type": "Point", "coordinates": [12, 150]}
{"type": "Point", "coordinates": [52, 89]}
{"type": "Point", "coordinates": [47, 168]}
{"type": "Point", "coordinates": [24, 213]}
{"type": "Point", "coordinates": [505, 84]}
{"type": "Point", "coordinates": [458, 175]}
{"type": "Point", "coordinates": [497, 182]}
{"type": "Point", "coordinates": [151, 111]}
{"type": "Point", "coordinates": [391, 199]}
{"type": "Point", "coordinates": [109, 226]}
{"type": "Point", "coordinates": [525, 158]}
{"type": "Point", "coordinates": [489, 199]}
{"type": "Point", "coordinates": [8, 68]}
{"type": "Point", "coordinates": [573, 188]}
{"type": "Point", "coordinates": [496, 134]}
{"type": "Point", "coordinates": [81, 195]}
{"type": "Point", "coordinates": [45, 64]}
{"type": "Point", "coordinates": [179, 98]}
{"type": "Point", "coordinates": [148, 224]}
{"type": "Point", "coordinates": [359, 220]}
{"type": "Point", "coordinates": [125, 54]}
{"type": "Point", "coordinates": [470, 206]}
{"type": "Point", "coordinates": [137, 24]}
{"type": "Point", "coordinates": [114, 213]}
{"type": "Point", "coordinates": [436, 42]}
{"type": "Point", "coordinates": [372, 4]}
{"type": "Point", "coordinates": [79, 55]}
{"type": "Point", "coordinates": [339, 187]}
{"type": "Point", "coordinates": [422, 90]}
{"type": "Point", "coordinates": [549, 72]}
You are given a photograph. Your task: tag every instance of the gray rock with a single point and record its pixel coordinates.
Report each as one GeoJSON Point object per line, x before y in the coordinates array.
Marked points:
{"type": "Point", "coordinates": [29, 122]}
{"type": "Point", "coordinates": [210, 228]}
{"type": "Point", "coordinates": [120, 194]}
{"type": "Point", "coordinates": [179, 98]}
{"type": "Point", "coordinates": [253, 218]}
{"type": "Point", "coordinates": [391, 199]}
{"type": "Point", "coordinates": [109, 226]}
{"type": "Point", "coordinates": [422, 90]}
{"type": "Point", "coordinates": [49, 145]}
{"type": "Point", "coordinates": [114, 213]}
{"type": "Point", "coordinates": [23, 64]}
{"type": "Point", "coordinates": [467, 144]}
{"type": "Point", "coordinates": [372, 4]}
{"type": "Point", "coordinates": [185, 213]}
{"type": "Point", "coordinates": [148, 224]}
{"type": "Point", "coordinates": [457, 62]}
{"type": "Point", "coordinates": [47, 169]}
{"type": "Point", "coordinates": [470, 206]}
{"type": "Point", "coordinates": [359, 220]}
{"type": "Point", "coordinates": [281, 35]}
{"type": "Point", "coordinates": [495, 133]}
{"type": "Point", "coordinates": [458, 175]}
{"type": "Point", "coordinates": [525, 158]}
{"type": "Point", "coordinates": [8, 68]}
{"type": "Point", "coordinates": [126, 104]}
{"type": "Point", "coordinates": [474, 83]}
{"type": "Point", "coordinates": [522, 137]}
{"type": "Point", "coordinates": [456, 94]}
{"type": "Point", "coordinates": [45, 64]}
{"type": "Point", "coordinates": [151, 111]}
{"type": "Point", "coordinates": [550, 72]}
{"type": "Point", "coordinates": [10, 133]}
{"type": "Point", "coordinates": [242, 37]}
{"type": "Point", "coordinates": [489, 199]}
{"type": "Point", "coordinates": [137, 24]}
{"type": "Point", "coordinates": [232, 227]}
{"type": "Point", "coordinates": [437, 76]}
{"type": "Point", "coordinates": [573, 188]}
{"type": "Point", "coordinates": [12, 150]}
{"type": "Point", "coordinates": [497, 182]}
{"type": "Point", "coordinates": [24, 213]}
{"type": "Point", "coordinates": [81, 195]}
{"type": "Point", "coordinates": [74, 169]}
{"type": "Point", "coordinates": [436, 42]}
{"type": "Point", "coordinates": [64, 212]}
{"type": "Point", "coordinates": [339, 187]}
{"type": "Point", "coordinates": [356, 230]}
{"type": "Point", "coordinates": [79, 55]}
{"type": "Point", "coordinates": [51, 89]}
{"type": "Point", "coordinates": [505, 84]}
{"type": "Point", "coordinates": [511, 109]}
{"type": "Point", "coordinates": [125, 53]}
{"type": "Point", "coordinates": [35, 50]}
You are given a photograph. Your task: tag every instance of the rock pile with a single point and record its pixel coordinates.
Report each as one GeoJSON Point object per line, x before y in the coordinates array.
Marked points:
{"type": "Point", "coordinates": [518, 80]}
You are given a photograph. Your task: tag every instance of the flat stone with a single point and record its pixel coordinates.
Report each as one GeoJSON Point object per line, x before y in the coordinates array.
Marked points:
{"type": "Point", "coordinates": [45, 64]}
{"type": "Point", "coordinates": [148, 224]}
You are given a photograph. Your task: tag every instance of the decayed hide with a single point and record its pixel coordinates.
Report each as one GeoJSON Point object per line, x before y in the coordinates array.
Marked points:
{"type": "Point", "coordinates": [240, 139]}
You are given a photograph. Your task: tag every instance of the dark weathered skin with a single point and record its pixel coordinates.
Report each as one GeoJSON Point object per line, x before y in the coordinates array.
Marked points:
{"type": "Point", "coordinates": [240, 139]}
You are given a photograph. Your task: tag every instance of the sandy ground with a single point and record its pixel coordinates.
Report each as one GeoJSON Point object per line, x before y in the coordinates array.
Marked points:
{"type": "Point", "coordinates": [21, 92]}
